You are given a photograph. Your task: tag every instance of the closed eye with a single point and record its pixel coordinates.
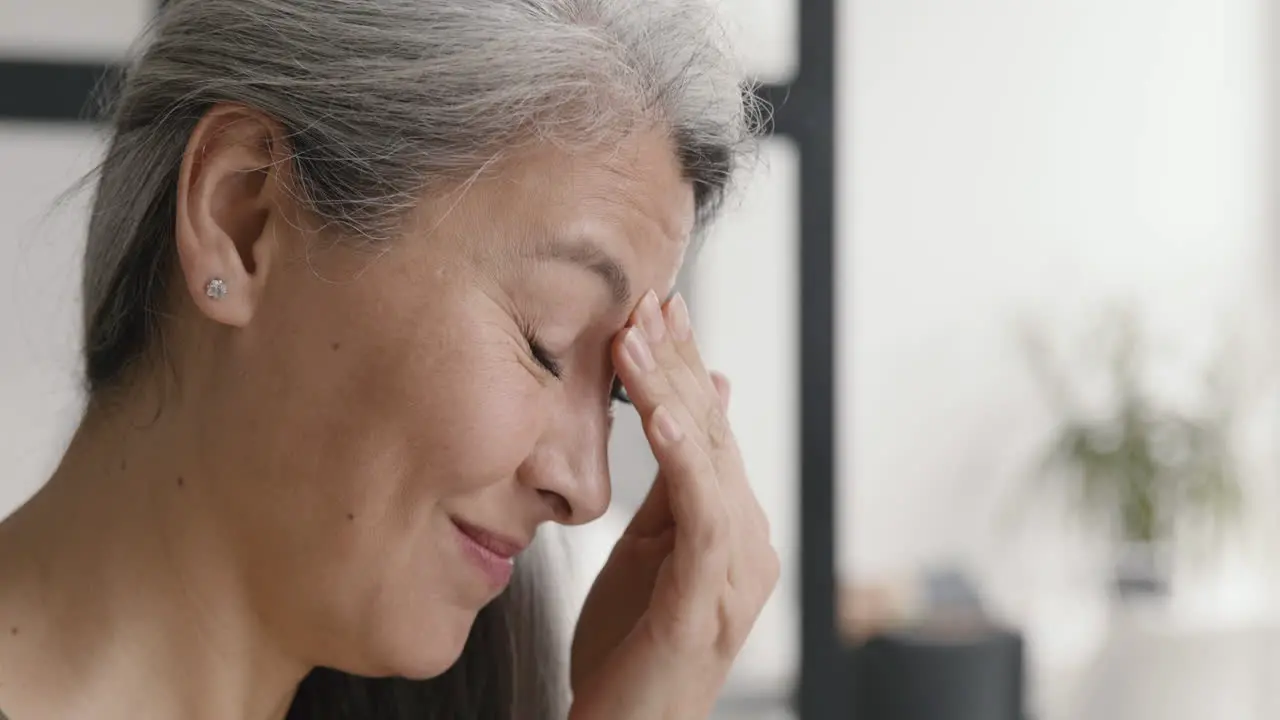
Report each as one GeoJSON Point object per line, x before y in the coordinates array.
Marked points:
{"type": "Point", "coordinates": [552, 365]}
{"type": "Point", "coordinates": [544, 358]}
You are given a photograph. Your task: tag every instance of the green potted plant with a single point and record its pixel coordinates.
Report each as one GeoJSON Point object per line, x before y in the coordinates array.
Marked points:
{"type": "Point", "coordinates": [1136, 463]}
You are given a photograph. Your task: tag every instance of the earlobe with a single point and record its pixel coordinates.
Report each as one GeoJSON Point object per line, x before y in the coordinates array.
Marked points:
{"type": "Point", "coordinates": [215, 289]}
{"type": "Point", "coordinates": [225, 201]}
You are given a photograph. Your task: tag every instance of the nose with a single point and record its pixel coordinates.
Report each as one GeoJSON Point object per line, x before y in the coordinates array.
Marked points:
{"type": "Point", "coordinates": [569, 467]}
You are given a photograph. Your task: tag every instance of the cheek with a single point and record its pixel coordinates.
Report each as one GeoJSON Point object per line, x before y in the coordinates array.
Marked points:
{"type": "Point", "coordinates": [413, 422]}
{"type": "Point", "coordinates": [346, 437]}
{"type": "Point", "coordinates": [478, 415]}
{"type": "Point", "coordinates": [378, 411]}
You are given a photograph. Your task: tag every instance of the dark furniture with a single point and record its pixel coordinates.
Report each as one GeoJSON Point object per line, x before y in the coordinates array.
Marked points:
{"type": "Point", "coordinates": [934, 675]}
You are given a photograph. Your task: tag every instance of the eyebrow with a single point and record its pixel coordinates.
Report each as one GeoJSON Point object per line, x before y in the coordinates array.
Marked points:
{"type": "Point", "coordinates": [590, 257]}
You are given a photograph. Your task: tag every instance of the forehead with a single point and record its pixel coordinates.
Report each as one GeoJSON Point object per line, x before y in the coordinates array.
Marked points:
{"type": "Point", "coordinates": [630, 199]}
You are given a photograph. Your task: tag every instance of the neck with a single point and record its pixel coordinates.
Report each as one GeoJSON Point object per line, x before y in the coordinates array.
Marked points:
{"type": "Point", "coordinates": [118, 599]}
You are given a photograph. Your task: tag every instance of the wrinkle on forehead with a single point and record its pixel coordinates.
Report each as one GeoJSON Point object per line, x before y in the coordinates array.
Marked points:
{"type": "Point", "coordinates": [631, 200]}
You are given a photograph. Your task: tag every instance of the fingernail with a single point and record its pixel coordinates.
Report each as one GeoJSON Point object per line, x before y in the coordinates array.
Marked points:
{"type": "Point", "coordinates": [678, 317]}
{"type": "Point", "coordinates": [665, 425]}
{"type": "Point", "coordinates": [724, 387]}
{"type": "Point", "coordinates": [651, 318]}
{"type": "Point", "coordinates": [637, 350]}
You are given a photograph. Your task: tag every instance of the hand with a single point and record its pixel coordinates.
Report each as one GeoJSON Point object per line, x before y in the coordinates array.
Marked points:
{"type": "Point", "coordinates": [687, 580]}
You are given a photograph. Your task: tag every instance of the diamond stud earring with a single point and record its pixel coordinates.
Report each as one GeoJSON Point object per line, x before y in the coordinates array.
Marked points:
{"type": "Point", "coordinates": [216, 289]}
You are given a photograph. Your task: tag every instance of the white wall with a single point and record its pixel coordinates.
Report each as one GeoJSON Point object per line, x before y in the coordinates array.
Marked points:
{"type": "Point", "coordinates": [41, 241]}
{"type": "Point", "coordinates": [85, 29]}
{"type": "Point", "coordinates": [40, 245]}
{"type": "Point", "coordinates": [1005, 158]}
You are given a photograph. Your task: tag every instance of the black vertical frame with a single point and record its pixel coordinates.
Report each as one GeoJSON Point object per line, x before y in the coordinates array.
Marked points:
{"type": "Point", "coordinates": [60, 92]}
{"type": "Point", "coordinates": [824, 678]}
{"type": "Point", "coordinates": [805, 112]}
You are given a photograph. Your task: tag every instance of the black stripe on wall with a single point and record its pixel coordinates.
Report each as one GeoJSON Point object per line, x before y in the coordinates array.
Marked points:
{"type": "Point", "coordinates": [50, 90]}
{"type": "Point", "coordinates": [62, 91]}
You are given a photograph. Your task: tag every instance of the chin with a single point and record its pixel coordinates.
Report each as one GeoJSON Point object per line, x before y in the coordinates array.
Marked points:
{"type": "Point", "coordinates": [423, 649]}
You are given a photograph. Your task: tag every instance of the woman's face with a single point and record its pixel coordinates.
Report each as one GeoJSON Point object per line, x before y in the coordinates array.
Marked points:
{"type": "Point", "coordinates": [380, 410]}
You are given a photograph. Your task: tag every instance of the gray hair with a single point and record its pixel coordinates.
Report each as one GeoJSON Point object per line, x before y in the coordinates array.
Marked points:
{"type": "Point", "coordinates": [382, 101]}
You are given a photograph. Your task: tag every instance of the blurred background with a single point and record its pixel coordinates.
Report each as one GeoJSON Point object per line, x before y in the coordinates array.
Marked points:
{"type": "Point", "coordinates": [1037, 446]}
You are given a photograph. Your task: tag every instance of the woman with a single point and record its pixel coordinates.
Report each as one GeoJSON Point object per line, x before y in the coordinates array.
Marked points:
{"type": "Point", "coordinates": [362, 277]}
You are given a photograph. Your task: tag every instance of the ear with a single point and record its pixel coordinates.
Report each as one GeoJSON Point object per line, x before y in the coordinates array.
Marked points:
{"type": "Point", "coordinates": [228, 188]}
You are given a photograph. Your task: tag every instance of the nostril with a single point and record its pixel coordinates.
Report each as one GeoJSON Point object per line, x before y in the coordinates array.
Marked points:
{"type": "Point", "coordinates": [558, 504]}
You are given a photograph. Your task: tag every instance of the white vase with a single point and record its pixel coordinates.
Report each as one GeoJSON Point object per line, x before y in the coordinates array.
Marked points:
{"type": "Point", "coordinates": [1142, 571]}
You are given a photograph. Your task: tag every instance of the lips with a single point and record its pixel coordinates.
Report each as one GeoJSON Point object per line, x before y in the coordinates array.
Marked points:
{"type": "Point", "coordinates": [492, 554]}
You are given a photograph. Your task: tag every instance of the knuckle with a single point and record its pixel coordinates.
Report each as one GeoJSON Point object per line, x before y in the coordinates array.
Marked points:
{"type": "Point", "coordinates": [656, 385]}
{"type": "Point", "coordinates": [681, 630]}
{"type": "Point", "coordinates": [699, 463]}
{"type": "Point", "coordinates": [719, 434]}
{"type": "Point", "coordinates": [660, 395]}
{"type": "Point", "coordinates": [712, 535]}
{"type": "Point", "coordinates": [737, 617]}
{"type": "Point", "coordinates": [667, 354]}
{"type": "Point", "coordinates": [730, 628]}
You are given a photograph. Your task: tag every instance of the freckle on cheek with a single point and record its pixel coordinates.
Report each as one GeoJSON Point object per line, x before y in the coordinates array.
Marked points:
{"type": "Point", "coordinates": [181, 482]}
{"type": "Point", "coordinates": [336, 346]}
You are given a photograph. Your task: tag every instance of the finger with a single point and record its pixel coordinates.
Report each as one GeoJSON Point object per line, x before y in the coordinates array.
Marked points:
{"type": "Point", "coordinates": [654, 515]}
{"type": "Point", "coordinates": [689, 474]}
{"type": "Point", "coordinates": [658, 375]}
{"type": "Point", "coordinates": [710, 407]}
{"type": "Point", "coordinates": [676, 314]}
{"type": "Point", "coordinates": [720, 534]}
{"type": "Point", "coordinates": [691, 384]}
{"type": "Point", "coordinates": [650, 369]}
{"type": "Point", "coordinates": [695, 388]}
{"type": "Point", "coordinates": [647, 368]}
{"type": "Point", "coordinates": [754, 562]}
{"type": "Point", "coordinates": [745, 522]}
{"type": "Point", "coordinates": [647, 385]}
{"type": "Point", "coordinates": [723, 389]}
{"type": "Point", "coordinates": [751, 565]}
{"type": "Point", "coordinates": [701, 554]}
{"type": "Point", "coordinates": [720, 438]}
